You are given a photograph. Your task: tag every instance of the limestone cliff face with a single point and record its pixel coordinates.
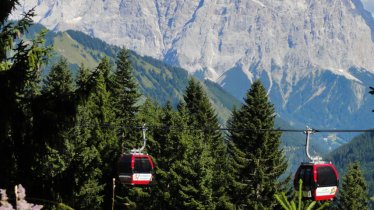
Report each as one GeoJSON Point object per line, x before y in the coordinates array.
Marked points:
{"type": "Point", "coordinates": [316, 57]}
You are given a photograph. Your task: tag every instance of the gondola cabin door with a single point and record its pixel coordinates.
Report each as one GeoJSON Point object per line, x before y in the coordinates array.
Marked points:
{"type": "Point", "coordinates": [320, 181]}
{"type": "Point", "coordinates": [136, 169]}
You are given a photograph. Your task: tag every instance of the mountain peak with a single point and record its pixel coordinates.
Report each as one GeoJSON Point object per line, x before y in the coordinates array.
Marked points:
{"type": "Point", "coordinates": [295, 48]}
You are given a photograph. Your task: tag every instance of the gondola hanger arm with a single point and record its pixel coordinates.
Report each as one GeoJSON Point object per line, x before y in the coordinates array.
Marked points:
{"type": "Point", "coordinates": [139, 150]}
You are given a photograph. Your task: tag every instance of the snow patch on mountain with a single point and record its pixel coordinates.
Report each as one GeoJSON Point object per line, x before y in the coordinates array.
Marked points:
{"type": "Point", "coordinates": [344, 73]}
{"type": "Point", "coordinates": [259, 2]}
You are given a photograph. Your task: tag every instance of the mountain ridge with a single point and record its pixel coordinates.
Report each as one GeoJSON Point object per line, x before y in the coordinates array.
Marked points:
{"type": "Point", "coordinates": [307, 53]}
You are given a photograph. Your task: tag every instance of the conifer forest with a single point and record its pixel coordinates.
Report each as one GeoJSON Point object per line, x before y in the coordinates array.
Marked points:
{"type": "Point", "coordinates": [61, 135]}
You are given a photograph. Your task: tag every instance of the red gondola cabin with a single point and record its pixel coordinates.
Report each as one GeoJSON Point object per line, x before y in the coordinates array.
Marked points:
{"type": "Point", "coordinates": [136, 169]}
{"type": "Point", "coordinates": [320, 181]}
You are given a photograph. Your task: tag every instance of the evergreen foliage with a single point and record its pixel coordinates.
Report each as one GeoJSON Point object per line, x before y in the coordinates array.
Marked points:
{"type": "Point", "coordinates": [54, 114]}
{"type": "Point", "coordinates": [359, 149]}
{"type": "Point", "coordinates": [169, 142]}
{"type": "Point", "coordinates": [6, 7]}
{"type": "Point", "coordinates": [59, 80]}
{"type": "Point", "coordinates": [125, 88]}
{"type": "Point", "coordinates": [156, 80]}
{"type": "Point", "coordinates": [191, 174]}
{"type": "Point", "coordinates": [264, 160]}
{"type": "Point", "coordinates": [354, 191]}
{"type": "Point", "coordinates": [125, 96]}
{"type": "Point", "coordinates": [20, 62]}
{"type": "Point", "coordinates": [79, 153]}
{"type": "Point", "coordinates": [103, 134]}
{"type": "Point", "coordinates": [298, 201]}
{"type": "Point", "coordinates": [202, 115]}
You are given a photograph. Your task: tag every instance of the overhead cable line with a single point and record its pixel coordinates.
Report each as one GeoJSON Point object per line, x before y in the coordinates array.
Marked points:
{"type": "Point", "coordinates": [192, 128]}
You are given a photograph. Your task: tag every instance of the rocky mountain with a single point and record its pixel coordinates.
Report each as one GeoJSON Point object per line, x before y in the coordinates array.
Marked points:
{"type": "Point", "coordinates": [314, 56]}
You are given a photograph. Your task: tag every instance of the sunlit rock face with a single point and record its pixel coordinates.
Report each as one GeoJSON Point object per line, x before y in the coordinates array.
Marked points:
{"type": "Point", "coordinates": [315, 57]}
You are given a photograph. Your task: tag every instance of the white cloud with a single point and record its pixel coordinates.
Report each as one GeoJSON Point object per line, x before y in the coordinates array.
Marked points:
{"type": "Point", "coordinates": [369, 5]}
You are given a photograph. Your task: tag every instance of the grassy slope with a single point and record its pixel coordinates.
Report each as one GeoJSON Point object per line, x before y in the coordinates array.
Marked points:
{"type": "Point", "coordinates": [74, 52]}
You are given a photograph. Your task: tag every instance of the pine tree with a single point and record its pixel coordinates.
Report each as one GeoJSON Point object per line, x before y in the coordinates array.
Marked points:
{"type": "Point", "coordinates": [125, 96]}
{"type": "Point", "coordinates": [202, 115]}
{"type": "Point", "coordinates": [59, 81]}
{"type": "Point", "coordinates": [354, 193]}
{"type": "Point", "coordinates": [165, 155]}
{"type": "Point", "coordinates": [20, 62]}
{"type": "Point", "coordinates": [71, 168]}
{"type": "Point", "coordinates": [173, 139]}
{"type": "Point", "coordinates": [85, 170]}
{"type": "Point", "coordinates": [104, 134]}
{"type": "Point", "coordinates": [264, 160]}
{"type": "Point", "coordinates": [124, 88]}
{"type": "Point", "coordinates": [191, 174]}
{"type": "Point", "coordinates": [54, 114]}
{"type": "Point", "coordinates": [6, 7]}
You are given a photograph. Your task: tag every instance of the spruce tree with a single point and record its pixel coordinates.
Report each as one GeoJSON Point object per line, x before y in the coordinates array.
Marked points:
{"type": "Point", "coordinates": [191, 174]}
{"type": "Point", "coordinates": [70, 166]}
{"type": "Point", "coordinates": [354, 193]}
{"type": "Point", "coordinates": [260, 148]}
{"type": "Point", "coordinates": [125, 89]}
{"type": "Point", "coordinates": [104, 135]}
{"type": "Point", "coordinates": [202, 115]}
{"type": "Point", "coordinates": [6, 7]}
{"type": "Point", "coordinates": [54, 115]}
{"type": "Point", "coordinates": [125, 94]}
{"type": "Point", "coordinates": [59, 81]}
{"type": "Point", "coordinates": [85, 169]}
{"type": "Point", "coordinates": [173, 139]}
{"type": "Point", "coordinates": [168, 139]}
{"type": "Point", "coordinates": [20, 62]}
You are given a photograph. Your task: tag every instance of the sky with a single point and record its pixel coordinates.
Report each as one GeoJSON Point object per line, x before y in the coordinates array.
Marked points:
{"type": "Point", "coordinates": [369, 5]}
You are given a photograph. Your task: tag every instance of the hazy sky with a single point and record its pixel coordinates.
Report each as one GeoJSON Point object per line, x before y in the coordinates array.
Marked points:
{"type": "Point", "coordinates": [369, 5]}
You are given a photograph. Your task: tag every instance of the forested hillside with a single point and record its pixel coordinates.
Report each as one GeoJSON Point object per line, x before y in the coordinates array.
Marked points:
{"type": "Point", "coordinates": [163, 83]}
{"type": "Point", "coordinates": [360, 149]}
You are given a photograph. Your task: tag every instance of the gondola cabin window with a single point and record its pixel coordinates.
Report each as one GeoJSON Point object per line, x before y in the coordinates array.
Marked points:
{"type": "Point", "coordinates": [124, 165]}
{"type": "Point", "coordinates": [326, 177]}
{"type": "Point", "coordinates": [142, 165]}
{"type": "Point", "coordinates": [306, 174]}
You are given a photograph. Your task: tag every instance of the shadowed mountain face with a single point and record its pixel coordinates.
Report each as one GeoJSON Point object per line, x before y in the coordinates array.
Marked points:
{"type": "Point", "coordinates": [314, 56]}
